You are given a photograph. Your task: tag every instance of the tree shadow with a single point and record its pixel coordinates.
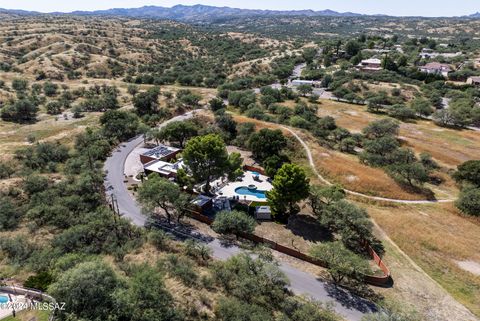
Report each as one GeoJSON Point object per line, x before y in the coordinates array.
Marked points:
{"type": "Point", "coordinates": [308, 228]}
{"type": "Point", "coordinates": [350, 300]}
{"type": "Point", "coordinates": [414, 189]}
{"type": "Point", "coordinates": [180, 231]}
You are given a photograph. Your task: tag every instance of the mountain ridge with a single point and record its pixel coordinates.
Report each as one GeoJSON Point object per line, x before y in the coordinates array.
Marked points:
{"type": "Point", "coordinates": [201, 12]}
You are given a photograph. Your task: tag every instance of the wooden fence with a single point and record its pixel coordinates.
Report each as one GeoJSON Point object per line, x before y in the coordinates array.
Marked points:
{"type": "Point", "coordinates": [381, 280]}
{"type": "Point", "coordinates": [253, 169]}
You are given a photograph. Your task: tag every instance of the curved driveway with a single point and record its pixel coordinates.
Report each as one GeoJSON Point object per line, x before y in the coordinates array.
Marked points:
{"type": "Point", "coordinates": [350, 307]}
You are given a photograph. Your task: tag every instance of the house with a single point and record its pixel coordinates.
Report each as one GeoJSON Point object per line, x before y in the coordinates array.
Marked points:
{"type": "Point", "coordinates": [474, 81]}
{"type": "Point", "coordinates": [165, 169]}
{"type": "Point", "coordinates": [159, 153]}
{"type": "Point", "coordinates": [373, 64]}
{"type": "Point", "coordinates": [436, 68]}
{"type": "Point", "coordinates": [299, 82]}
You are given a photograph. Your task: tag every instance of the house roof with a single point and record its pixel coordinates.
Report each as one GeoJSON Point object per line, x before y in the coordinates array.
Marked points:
{"type": "Point", "coordinates": [161, 151]}
{"type": "Point", "coordinates": [436, 66]}
{"type": "Point", "coordinates": [371, 61]}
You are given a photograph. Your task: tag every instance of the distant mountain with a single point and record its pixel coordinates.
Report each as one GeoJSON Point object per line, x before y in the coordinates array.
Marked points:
{"type": "Point", "coordinates": [194, 13]}
{"type": "Point", "coordinates": [202, 13]}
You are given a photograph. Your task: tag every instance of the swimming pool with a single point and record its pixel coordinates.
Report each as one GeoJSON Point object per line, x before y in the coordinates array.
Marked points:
{"type": "Point", "coordinates": [250, 192]}
{"type": "Point", "coordinates": [3, 299]}
{"type": "Point", "coordinates": [255, 173]}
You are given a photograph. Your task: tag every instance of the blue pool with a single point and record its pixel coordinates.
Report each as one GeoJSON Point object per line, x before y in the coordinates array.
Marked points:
{"type": "Point", "coordinates": [255, 173]}
{"type": "Point", "coordinates": [3, 299]}
{"type": "Point", "coordinates": [251, 192]}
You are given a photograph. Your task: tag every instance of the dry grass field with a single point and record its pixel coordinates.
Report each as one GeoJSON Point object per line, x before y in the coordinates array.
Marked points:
{"type": "Point", "coordinates": [449, 147]}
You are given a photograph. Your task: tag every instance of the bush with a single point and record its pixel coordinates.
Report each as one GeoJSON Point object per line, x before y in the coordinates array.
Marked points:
{"type": "Point", "coordinates": [159, 239]}
{"type": "Point", "coordinates": [40, 281]}
{"type": "Point", "coordinates": [233, 222]}
{"type": "Point", "coordinates": [469, 201]}
{"type": "Point", "coordinates": [181, 268]}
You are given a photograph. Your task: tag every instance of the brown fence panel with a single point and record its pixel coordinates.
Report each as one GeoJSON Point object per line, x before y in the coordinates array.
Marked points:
{"type": "Point", "coordinates": [253, 169]}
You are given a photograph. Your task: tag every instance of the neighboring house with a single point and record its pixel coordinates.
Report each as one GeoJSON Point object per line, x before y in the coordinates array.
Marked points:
{"type": "Point", "coordinates": [436, 68]}
{"type": "Point", "coordinates": [161, 152]}
{"type": "Point", "coordinates": [373, 64]}
{"type": "Point", "coordinates": [474, 81]}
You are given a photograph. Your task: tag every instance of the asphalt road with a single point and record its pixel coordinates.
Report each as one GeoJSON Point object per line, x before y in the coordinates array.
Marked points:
{"type": "Point", "coordinates": [350, 307]}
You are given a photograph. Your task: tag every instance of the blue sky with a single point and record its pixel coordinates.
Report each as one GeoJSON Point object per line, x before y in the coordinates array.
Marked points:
{"type": "Point", "coordinates": [391, 7]}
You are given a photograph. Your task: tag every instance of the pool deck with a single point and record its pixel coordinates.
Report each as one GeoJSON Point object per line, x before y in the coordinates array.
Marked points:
{"type": "Point", "coordinates": [4, 310]}
{"type": "Point", "coordinates": [248, 179]}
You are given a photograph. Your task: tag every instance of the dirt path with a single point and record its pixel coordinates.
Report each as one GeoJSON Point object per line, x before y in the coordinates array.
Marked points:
{"type": "Point", "coordinates": [375, 198]}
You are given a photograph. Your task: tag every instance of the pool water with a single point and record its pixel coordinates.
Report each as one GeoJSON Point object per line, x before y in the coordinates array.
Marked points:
{"type": "Point", "coordinates": [3, 299]}
{"type": "Point", "coordinates": [255, 173]}
{"type": "Point", "coordinates": [251, 192]}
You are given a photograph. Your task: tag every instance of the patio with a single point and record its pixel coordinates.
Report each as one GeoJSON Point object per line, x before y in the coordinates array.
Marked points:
{"type": "Point", "coordinates": [250, 187]}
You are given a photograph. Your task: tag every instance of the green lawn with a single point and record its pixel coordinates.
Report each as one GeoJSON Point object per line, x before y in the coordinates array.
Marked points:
{"type": "Point", "coordinates": [39, 315]}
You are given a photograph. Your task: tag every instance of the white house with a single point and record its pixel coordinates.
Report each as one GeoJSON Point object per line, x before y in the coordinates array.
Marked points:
{"type": "Point", "coordinates": [299, 82]}
{"type": "Point", "coordinates": [436, 68]}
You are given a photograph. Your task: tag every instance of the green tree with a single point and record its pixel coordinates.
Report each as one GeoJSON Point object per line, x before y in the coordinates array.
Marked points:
{"type": "Point", "coordinates": [231, 309]}
{"type": "Point", "coordinates": [254, 281]}
{"type": "Point", "coordinates": [346, 220]}
{"type": "Point", "coordinates": [469, 172]}
{"type": "Point", "coordinates": [422, 107]}
{"type": "Point", "coordinates": [216, 104]}
{"type": "Point", "coordinates": [54, 108]}
{"type": "Point", "coordinates": [412, 173]}
{"type": "Point", "coordinates": [10, 214]}
{"type": "Point", "coordinates": [87, 290]}
{"type": "Point", "coordinates": [401, 112]}
{"type": "Point", "coordinates": [321, 197]}
{"type": "Point", "coordinates": [305, 89]}
{"type": "Point", "coordinates": [469, 201]}
{"type": "Point", "coordinates": [206, 157]}
{"type": "Point", "coordinates": [342, 263]}
{"type": "Point", "coordinates": [233, 222]}
{"type": "Point", "coordinates": [146, 103]}
{"type": "Point", "coordinates": [158, 192]}
{"type": "Point", "coordinates": [380, 151]}
{"type": "Point", "coordinates": [20, 84]}
{"type": "Point", "coordinates": [381, 128]}
{"type": "Point", "coordinates": [235, 162]}
{"type": "Point", "coordinates": [50, 89]}
{"type": "Point", "coordinates": [352, 48]}
{"type": "Point", "coordinates": [6, 169]}
{"type": "Point", "coordinates": [276, 143]}
{"type": "Point", "coordinates": [21, 111]}
{"type": "Point", "coordinates": [146, 298]}
{"type": "Point", "coordinates": [178, 132]}
{"type": "Point", "coordinates": [119, 125]}
{"type": "Point", "coordinates": [132, 89]}
{"type": "Point", "coordinates": [290, 185]}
